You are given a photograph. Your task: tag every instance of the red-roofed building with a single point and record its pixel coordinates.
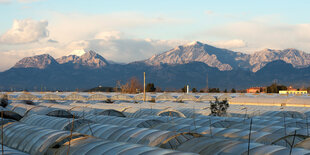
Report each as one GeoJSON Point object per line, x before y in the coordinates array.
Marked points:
{"type": "Point", "coordinates": [255, 90]}
{"type": "Point", "coordinates": [290, 88]}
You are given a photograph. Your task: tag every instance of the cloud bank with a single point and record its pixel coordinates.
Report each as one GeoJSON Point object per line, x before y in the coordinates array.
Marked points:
{"type": "Point", "coordinates": [122, 39]}
{"type": "Point", "coordinates": [262, 34]}
{"type": "Point", "coordinates": [25, 31]}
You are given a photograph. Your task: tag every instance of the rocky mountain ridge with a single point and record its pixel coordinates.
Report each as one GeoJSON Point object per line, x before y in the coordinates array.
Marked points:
{"type": "Point", "coordinates": [38, 61]}
{"type": "Point", "coordinates": [223, 59]}
{"type": "Point", "coordinates": [90, 59]}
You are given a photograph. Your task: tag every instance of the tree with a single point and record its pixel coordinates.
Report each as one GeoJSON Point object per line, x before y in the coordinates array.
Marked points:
{"type": "Point", "coordinates": [117, 86]}
{"type": "Point", "coordinates": [4, 100]}
{"type": "Point", "coordinates": [214, 90]}
{"type": "Point", "coordinates": [150, 87]}
{"type": "Point", "coordinates": [158, 89]}
{"type": "Point", "coordinates": [125, 88]}
{"type": "Point", "coordinates": [233, 90]}
{"type": "Point", "coordinates": [134, 85]}
{"type": "Point", "coordinates": [274, 88]}
{"type": "Point", "coordinates": [184, 89]}
{"type": "Point", "coordinates": [219, 108]}
{"type": "Point", "coordinates": [225, 91]}
{"type": "Point", "coordinates": [194, 90]}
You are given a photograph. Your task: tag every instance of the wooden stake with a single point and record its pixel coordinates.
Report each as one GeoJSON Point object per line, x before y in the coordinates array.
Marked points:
{"type": "Point", "coordinates": [284, 125]}
{"type": "Point", "coordinates": [210, 124]}
{"type": "Point", "coordinates": [71, 135]}
{"type": "Point", "coordinates": [144, 88]}
{"type": "Point", "coordinates": [249, 141]}
{"type": "Point", "coordinates": [307, 126]}
{"type": "Point", "coordinates": [194, 119]}
{"type": "Point", "coordinates": [293, 143]}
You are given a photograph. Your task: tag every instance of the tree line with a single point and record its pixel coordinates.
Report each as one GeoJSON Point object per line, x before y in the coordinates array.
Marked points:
{"type": "Point", "coordinates": [133, 85]}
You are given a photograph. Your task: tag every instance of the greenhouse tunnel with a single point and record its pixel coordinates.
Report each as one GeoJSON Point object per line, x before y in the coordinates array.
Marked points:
{"type": "Point", "coordinates": [97, 97]}
{"type": "Point", "coordinates": [165, 97]}
{"type": "Point", "coordinates": [140, 97]}
{"type": "Point", "coordinates": [145, 136]}
{"type": "Point", "coordinates": [8, 114]}
{"type": "Point", "coordinates": [27, 97]}
{"type": "Point", "coordinates": [56, 123]}
{"type": "Point", "coordinates": [75, 97]}
{"type": "Point", "coordinates": [111, 112]}
{"type": "Point", "coordinates": [51, 97]}
{"type": "Point", "coordinates": [205, 98]}
{"type": "Point", "coordinates": [123, 121]}
{"type": "Point", "coordinates": [121, 97]}
{"type": "Point", "coordinates": [9, 151]}
{"type": "Point", "coordinates": [55, 112]}
{"type": "Point", "coordinates": [186, 97]}
{"type": "Point", "coordinates": [90, 145]}
{"type": "Point", "coordinates": [205, 146]}
{"type": "Point", "coordinates": [31, 139]}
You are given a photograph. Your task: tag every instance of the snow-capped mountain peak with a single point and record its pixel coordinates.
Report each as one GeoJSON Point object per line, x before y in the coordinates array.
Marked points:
{"type": "Point", "coordinates": [194, 43]}
{"type": "Point", "coordinates": [90, 59]}
{"type": "Point", "coordinates": [197, 51]}
{"type": "Point", "coordinates": [79, 52]}
{"type": "Point", "coordinates": [38, 61]}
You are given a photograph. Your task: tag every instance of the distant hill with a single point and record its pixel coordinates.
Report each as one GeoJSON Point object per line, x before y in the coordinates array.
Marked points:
{"type": "Point", "coordinates": [38, 61]}
{"type": "Point", "coordinates": [196, 51]}
{"type": "Point", "coordinates": [295, 57]}
{"type": "Point", "coordinates": [189, 64]}
{"type": "Point", "coordinates": [225, 60]}
{"type": "Point", "coordinates": [89, 59]}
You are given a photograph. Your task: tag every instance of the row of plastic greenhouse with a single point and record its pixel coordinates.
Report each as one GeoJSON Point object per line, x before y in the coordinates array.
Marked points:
{"type": "Point", "coordinates": [123, 97]}
{"type": "Point", "coordinates": [84, 127]}
{"type": "Point", "coordinates": [234, 99]}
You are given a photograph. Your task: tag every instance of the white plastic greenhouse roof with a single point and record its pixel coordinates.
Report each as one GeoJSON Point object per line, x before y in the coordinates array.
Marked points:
{"type": "Point", "coordinates": [165, 127]}
{"type": "Point", "coordinates": [165, 97]}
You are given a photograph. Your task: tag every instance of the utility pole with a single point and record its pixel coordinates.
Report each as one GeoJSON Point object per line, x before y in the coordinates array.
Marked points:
{"type": "Point", "coordinates": [144, 87]}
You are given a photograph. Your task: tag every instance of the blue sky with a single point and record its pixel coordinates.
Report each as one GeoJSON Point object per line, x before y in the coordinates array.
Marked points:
{"type": "Point", "coordinates": [225, 11]}
{"type": "Point", "coordinates": [132, 30]}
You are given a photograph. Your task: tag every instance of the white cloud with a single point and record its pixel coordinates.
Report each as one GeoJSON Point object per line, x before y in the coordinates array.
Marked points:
{"type": "Point", "coordinates": [209, 12]}
{"type": "Point", "coordinates": [5, 1]}
{"type": "Point", "coordinates": [229, 44]}
{"type": "Point", "coordinates": [79, 52]}
{"type": "Point", "coordinates": [28, 1]}
{"type": "Point", "coordinates": [75, 26]}
{"type": "Point", "coordinates": [260, 34]}
{"type": "Point", "coordinates": [118, 49]}
{"type": "Point", "coordinates": [25, 31]}
{"type": "Point", "coordinates": [127, 50]}
{"type": "Point", "coordinates": [109, 35]}
{"type": "Point", "coordinates": [10, 57]}
{"type": "Point", "coordinates": [20, 1]}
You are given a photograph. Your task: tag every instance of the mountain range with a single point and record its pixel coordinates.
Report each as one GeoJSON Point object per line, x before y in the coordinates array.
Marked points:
{"type": "Point", "coordinates": [225, 60]}
{"type": "Point", "coordinates": [191, 64]}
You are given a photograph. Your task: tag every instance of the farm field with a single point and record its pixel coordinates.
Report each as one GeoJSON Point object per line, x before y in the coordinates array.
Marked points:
{"type": "Point", "coordinates": [166, 123]}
